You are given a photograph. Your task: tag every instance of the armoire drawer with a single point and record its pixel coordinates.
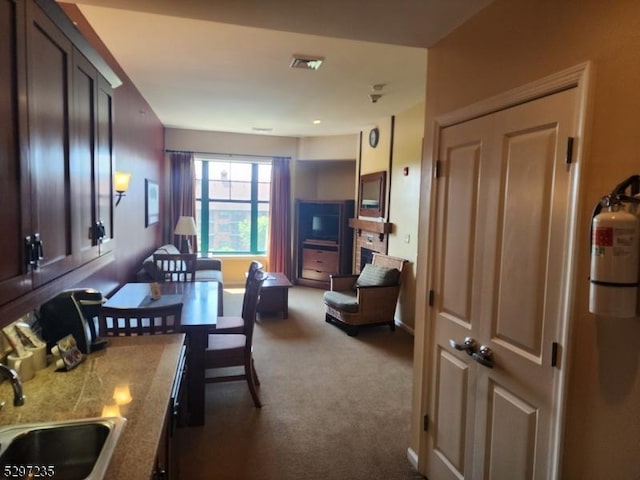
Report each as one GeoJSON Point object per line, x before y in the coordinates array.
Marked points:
{"type": "Point", "coordinates": [315, 275]}
{"type": "Point", "coordinates": [320, 260]}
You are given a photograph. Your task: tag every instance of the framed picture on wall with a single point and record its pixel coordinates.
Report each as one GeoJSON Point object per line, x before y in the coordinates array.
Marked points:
{"type": "Point", "coordinates": [152, 202]}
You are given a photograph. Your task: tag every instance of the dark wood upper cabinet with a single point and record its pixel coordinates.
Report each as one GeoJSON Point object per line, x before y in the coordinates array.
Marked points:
{"type": "Point", "coordinates": [15, 222]}
{"type": "Point", "coordinates": [55, 147]}
{"type": "Point", "coordinates": [83, 158]}
{"type": "Point", "coordinates": [49, 95]}
{"type": "Point", "coordinates": [91, 161]}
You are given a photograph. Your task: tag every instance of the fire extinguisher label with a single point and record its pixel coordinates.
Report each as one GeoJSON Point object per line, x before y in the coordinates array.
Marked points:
{"type": "Point", "coordinates": [621, 239]}
{"type": "Point", "coordinates": [603, 237]}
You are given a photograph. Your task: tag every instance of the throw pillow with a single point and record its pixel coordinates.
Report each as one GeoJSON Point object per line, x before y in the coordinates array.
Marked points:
{"type": "Point", "coordinates": [376, 275]}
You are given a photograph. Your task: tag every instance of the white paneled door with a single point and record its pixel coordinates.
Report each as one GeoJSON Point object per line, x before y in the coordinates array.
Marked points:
{"type": "Point", "coordinates": [504, 204]}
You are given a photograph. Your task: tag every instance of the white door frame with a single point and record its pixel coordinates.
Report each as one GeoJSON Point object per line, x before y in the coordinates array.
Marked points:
{"type": "Point", "coordinates": [575, 77]}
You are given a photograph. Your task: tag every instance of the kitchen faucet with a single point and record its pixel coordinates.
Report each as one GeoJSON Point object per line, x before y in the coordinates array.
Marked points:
{"type": "Point", "coordinates": [11, 375]}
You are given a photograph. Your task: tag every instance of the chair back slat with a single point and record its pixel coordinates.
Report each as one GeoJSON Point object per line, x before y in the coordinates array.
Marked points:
{"type": "Point", "coordinates": [389, 261]}
{"type": "Point", "coordinates": [116, 322]}
{"type": "Point", "coordinates": [254, 266]}
{"type": "Point", "coordinates": [252, 296]}
{"type": "Point", "coordinates": [176, 267]}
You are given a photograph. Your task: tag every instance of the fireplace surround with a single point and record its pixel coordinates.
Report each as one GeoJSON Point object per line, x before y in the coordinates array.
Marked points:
{"type": "Point", "coordinates": [371, 236]}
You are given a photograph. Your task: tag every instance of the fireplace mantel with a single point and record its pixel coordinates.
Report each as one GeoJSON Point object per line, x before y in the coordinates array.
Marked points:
{"type": "Point", "coordinates": [381, 228]}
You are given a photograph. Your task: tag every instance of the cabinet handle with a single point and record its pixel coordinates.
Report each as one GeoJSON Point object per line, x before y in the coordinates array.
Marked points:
{"type": "Point", "coordinates": [33, 251]}
{"type": "Point", "coordinates": [28, 252]}
{"type": "Point", "coordinates": [38, 250]}
{"type": "Point", "coordinates": [98, 232]}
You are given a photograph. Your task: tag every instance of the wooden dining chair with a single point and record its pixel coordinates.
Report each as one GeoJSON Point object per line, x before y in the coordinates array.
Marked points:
{"type": "Point", "coordinates": [236, 350]}
{"type": "Point", "coordinates": [150, 320]}
{"type": "Point", "coordinates": [235, 324]}
{"type": "Point", "coordinates": [175, 267]}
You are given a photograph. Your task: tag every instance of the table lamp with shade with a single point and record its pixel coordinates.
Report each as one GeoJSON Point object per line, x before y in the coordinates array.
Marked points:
{"type": "Point", "coordinates": [186, 227]}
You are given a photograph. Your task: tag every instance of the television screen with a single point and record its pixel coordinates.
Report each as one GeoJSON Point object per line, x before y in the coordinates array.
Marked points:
{"type": "Point", "coordinates": [325, 227]}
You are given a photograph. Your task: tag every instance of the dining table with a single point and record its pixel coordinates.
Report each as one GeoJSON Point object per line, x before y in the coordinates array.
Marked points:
{"type": "Point", "coordinates": [199, 317]}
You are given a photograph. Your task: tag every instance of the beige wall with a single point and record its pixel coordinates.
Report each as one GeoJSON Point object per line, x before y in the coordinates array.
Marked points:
{"type": "Point", "coordinates": [321, 180]}
{"type": "Point", "coordinates": [377, 159]}
{"type": "Point", "coordinates": [404, 196]}
{"type": "Point", "coordinates": [333, 147]}
{"type": "Point", "coordinates": [403, 192]}
{"type": "Point", "coordinates": [234, 268]}
{"type": "Point", "coordinates": [230, 143]}
{"type": "Point", "coordinates": [509, 44]}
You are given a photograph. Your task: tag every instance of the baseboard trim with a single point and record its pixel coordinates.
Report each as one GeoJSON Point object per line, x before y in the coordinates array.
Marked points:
{"type": "Point", "coordinates": [405, 327]}
{"type": "Point", "coordinates": [413, 458]}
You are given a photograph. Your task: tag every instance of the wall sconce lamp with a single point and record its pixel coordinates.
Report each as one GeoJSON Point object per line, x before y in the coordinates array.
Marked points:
{"type": "Point", "coordinates": [186, 226]}
{"type": "Point", "coordinates": [121, 184]}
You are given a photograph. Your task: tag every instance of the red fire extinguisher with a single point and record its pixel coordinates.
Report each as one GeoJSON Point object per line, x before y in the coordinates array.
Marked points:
{"type": "Point", "coordinates": [615, 261]}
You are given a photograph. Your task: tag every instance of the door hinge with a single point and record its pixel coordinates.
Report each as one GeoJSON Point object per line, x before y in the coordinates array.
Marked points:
{"type": "Point", "coordinates": [569, 157]}
{"type": "Point", "coordinates": [432, 295]}
{"type": "Point", "coordinates": [425, 423]}
{"type": "Point", "coordinates": [438, 169]}
{"type": "Point", "coordinates": [554, 354]}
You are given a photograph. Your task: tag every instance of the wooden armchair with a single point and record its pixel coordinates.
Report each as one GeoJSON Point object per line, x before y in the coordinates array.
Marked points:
{"type": "Point", "coordinates": [366, 299]}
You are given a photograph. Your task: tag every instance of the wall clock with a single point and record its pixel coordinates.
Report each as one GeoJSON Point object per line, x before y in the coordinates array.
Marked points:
{"type": "Point", "coordinates": [374, 136]}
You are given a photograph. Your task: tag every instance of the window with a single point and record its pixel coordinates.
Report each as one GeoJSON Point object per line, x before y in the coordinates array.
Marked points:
{"type": "Point", "coordinates": [232, 204]}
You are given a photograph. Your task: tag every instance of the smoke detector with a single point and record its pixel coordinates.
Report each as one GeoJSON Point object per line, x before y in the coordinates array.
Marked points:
{"type": "Point", "coordinates": [376, 92]}
{"type": "Point", "coordinates": [307, 62]}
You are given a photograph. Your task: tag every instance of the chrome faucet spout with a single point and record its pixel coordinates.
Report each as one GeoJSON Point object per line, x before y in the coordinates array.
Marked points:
{"type": "Point", "coordinates": [11, 375]}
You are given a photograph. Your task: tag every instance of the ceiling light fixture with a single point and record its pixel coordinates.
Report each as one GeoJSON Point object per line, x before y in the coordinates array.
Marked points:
{"type": "Point", "coordinates": [308, 62]}
{"type": "Point", "coordinates": [317, 122]}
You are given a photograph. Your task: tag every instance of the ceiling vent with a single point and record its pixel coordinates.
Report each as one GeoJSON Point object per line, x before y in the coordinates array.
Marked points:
{"type": "Point", "coordinates": [306, 61]}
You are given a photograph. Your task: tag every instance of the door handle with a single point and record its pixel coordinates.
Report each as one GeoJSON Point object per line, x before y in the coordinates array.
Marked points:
{"type": "Point", "coordinates": [468, 346]}
{"type": "Point", "coordinates": [484, 356]}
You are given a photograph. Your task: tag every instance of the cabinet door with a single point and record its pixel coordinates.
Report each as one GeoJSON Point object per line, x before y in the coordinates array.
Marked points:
{"type": "Point", "coordinates": [14, 277]}
{"type": "Point", "coordinates": [104, 165]}
{"type": "Point", "coordinates": [91, 162]}
{"type": "Point", "coordinates": [49, 66]}
{"type": "Point", "coordinates": [82, 159]}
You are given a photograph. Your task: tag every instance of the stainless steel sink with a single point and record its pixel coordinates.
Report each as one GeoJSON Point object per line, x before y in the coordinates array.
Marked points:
{"type": "Point", "coordinates": [73, 450]}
